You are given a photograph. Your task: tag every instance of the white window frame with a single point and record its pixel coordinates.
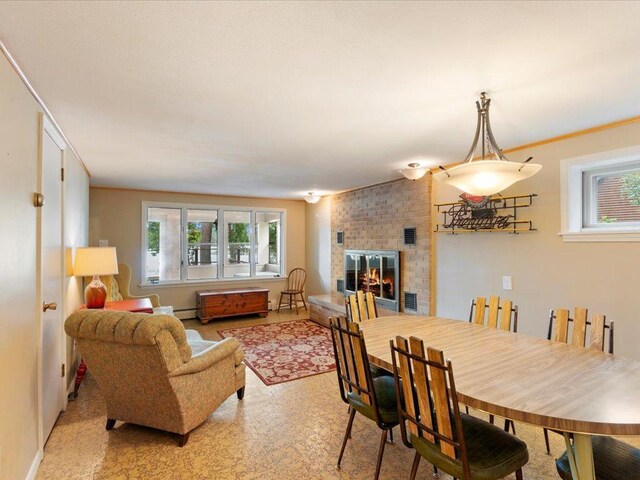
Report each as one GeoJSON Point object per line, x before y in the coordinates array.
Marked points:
{"type": "Point", "coordinates": [574, 197]}
{"type": "Point", "coordinates": [222, 243]}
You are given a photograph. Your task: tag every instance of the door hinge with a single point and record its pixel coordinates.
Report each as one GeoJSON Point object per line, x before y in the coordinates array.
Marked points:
{"type": "Point", "coordinates": [63, 369]}
{"type": "Point", "coordinates": [62, 174]}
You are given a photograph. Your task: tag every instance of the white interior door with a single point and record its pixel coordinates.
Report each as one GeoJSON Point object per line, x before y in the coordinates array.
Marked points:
{"type": "Point", "coordinates": [51, 274]}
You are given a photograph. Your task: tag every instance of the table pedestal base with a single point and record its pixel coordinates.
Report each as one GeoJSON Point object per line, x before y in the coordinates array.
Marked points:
{"type": "Point", "coordinates": [580, 456]}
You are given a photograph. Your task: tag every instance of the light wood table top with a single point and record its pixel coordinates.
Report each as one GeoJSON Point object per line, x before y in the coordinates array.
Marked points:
{"type": "Point", "coordinates": [526, 379]}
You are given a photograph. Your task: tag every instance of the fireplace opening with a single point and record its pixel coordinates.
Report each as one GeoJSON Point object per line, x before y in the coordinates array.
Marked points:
{"type": "Point", "coordinates": [375, 271]}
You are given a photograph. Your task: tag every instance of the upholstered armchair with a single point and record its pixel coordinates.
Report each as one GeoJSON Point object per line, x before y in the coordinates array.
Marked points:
{"type": "Point", "coordinates": [152, 372]}
{"type": "Point", "coordinates": [118, 286]}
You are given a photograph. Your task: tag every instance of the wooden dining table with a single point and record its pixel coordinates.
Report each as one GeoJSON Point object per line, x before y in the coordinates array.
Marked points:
{"type": "Point", "coordinates": [532, 380]}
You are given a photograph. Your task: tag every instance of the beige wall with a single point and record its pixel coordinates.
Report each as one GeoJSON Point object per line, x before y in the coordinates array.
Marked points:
{"type": "Point", "coordinates": [116, 216]}
{"type": "Point", "coordinates": [318, 255]}
{"type": "Point", "coordinates": [547, 272]}
{"type": "Point", "coordinates": [18, 304]}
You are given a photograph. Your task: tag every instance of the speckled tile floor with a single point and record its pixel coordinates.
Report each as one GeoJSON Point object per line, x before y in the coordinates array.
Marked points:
{"type": "Point", "coordinates": [287, 431]}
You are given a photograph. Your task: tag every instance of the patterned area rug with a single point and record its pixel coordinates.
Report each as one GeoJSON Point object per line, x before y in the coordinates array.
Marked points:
{"type": "Point", "coordinates": [282, 352]}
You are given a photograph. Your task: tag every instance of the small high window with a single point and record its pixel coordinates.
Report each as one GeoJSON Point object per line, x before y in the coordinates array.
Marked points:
{"type": "Point", "coordinates": [601, 197]}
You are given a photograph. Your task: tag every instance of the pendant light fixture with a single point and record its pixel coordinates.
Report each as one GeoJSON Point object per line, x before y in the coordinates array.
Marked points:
{"type": "Point", "coordinates": [312, 197]}
{"type": "Point", "coordinates": [493, 172]}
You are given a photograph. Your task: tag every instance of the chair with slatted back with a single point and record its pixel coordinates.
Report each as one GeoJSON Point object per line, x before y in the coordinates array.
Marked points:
{"type": "Point", "coordinates": [294, 288]}
{"type": "Point", "coordinates": [374, 398]}
{"type": "Point", "coordinates": [463, 446]}
{"type": "Point", "coordinates": [493, 314]}
{"type": "Point", "coordinates": [503, 316]}
{"type": "Point", "coordinates": [361, 306]}
{"type": "Point", "coordinates": [577, 335]}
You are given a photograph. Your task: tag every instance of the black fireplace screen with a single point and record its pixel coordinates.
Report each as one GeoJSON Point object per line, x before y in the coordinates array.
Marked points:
{"type": "Point", "coordinates": [375, 271]}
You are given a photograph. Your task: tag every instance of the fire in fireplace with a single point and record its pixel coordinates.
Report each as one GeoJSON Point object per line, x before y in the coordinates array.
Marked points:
{"type": "Point", "coordinates": [376, 271]}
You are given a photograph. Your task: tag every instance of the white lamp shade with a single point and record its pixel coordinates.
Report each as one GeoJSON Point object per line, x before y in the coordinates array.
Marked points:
{"type": "Point", "coordinates": [414, 173]}
{"type": "Point", "coordinates": [486, 177]}
{"type": "Point", "coordinates": [95, 261]}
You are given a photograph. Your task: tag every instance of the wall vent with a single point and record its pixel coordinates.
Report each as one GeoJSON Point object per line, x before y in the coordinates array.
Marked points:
{"type": "Point", "coordinates": [340, 285]}
{"type": "Point", "coordinates": [411, 301]}
{"type": "Point", "coordinates": [340, 238]}
{"type": "Point", "coordinates": [410, 236]}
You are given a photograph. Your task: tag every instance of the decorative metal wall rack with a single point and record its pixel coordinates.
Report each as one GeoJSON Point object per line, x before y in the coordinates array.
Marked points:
{"type": "Point", "coordinates": [484, 214]}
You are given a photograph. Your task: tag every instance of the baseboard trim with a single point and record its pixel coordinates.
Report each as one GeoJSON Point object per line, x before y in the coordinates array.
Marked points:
{"type": "Point", "coordinates": [33, 471]}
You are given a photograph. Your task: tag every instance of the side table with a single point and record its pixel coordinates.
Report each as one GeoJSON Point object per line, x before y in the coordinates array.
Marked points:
{"type": "Point", "coordinates": [137, 305]}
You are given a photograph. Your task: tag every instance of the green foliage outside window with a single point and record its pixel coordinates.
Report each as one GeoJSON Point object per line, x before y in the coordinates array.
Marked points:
{"type": "Point", "coordinates": [153, 237]}
{"type": "Point", "coordinates": [631, 188]}
{"type": "Point", "coordinates": [273, 243]}
{"type": "Point", "coordinates": [238, 233]}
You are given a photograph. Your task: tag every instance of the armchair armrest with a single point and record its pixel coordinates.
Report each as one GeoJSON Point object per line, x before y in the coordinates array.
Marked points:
{"type": "Point", "coordinates": [208, 357]}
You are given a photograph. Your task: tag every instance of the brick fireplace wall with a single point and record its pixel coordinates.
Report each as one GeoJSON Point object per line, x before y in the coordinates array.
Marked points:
{"type": "Point", "coordinates": [373, 218]}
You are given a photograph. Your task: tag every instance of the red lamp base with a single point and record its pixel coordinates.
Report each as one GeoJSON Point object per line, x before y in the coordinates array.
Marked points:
{"type": "Point", "coordinates": [95, 295]}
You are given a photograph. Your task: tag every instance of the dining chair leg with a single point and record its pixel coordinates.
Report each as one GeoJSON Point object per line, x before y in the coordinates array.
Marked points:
{"type": "Point", "coordinates": [303, 302]}
{"type": "Point", "coordinates": [491, 419]}
{"type": "Point", "coordinates": [414, 467]}
{"type": "Point", "coordinates": [280, 302]}
{"type": "Point", "coordinates": [391, 436]}
{"type": "Point", "coordinates": [546, 441]}
{"type": "Point", "coordinates": [347, 434]}
{"type": "Point", "coordinates": [519, 474]}
{"type": "Point", "coordinates": [383, 440]}
{"type": "Point", "coordinates": [435, 472]}
{"type": "Point", "coordinates": [295, 299]}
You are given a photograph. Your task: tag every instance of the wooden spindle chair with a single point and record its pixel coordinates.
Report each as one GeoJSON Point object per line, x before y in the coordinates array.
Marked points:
{"type": "Point", "coordinates": [361, 306]}
{"type": "Point", "coordinates": [375, 398]}
{"type": "Point", "coordinates": [493, 314]}
{"type": "Point", "coordinates": [577, 336]}
{"type": "Point", "coordinates": [294, 287]}
{"type": "Point", "coordinates": [430, 420]}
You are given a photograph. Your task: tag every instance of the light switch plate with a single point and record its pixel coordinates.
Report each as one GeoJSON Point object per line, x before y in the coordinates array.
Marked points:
{"type": "Point", "coordinates": [103, 243]}
{"type": "Point", "coordinates": [506, 283]}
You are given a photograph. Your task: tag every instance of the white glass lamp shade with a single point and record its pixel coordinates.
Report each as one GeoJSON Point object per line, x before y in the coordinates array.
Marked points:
{"type": "Point", "coordinates": [486, 177]}
{"type": "Point", "coordinates": [312, 198]}
{"type": "Point", "coordinates": [95, 261]}
{"type": "Point", "coordinates": [414, 171]}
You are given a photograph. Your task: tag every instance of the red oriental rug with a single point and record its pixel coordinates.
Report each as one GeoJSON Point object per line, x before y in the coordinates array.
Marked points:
{"type": "Point", "coordinates": [282, 352]}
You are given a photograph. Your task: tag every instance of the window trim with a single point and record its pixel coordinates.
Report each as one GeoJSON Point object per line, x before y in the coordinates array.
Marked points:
{"type": "Point", "coordinates": [572, 200]}
{"type": "Point", "coordinates": [184, 207]}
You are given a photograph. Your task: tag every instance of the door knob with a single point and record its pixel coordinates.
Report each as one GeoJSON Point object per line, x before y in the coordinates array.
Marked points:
{"type": "Point", "coordinates": [49, 306]}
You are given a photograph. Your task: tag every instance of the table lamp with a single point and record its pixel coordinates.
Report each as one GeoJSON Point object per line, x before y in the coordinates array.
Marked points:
{"type": "Point", "coordinates": [95, 261]}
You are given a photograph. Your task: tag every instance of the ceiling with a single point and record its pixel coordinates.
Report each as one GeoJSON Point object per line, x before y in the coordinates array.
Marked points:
{"type": "Point", "coordinates": [276, 99]}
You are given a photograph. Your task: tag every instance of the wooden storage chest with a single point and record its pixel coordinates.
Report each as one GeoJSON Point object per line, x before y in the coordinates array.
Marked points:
{"type": "Point", "coordinates": [231, 302]}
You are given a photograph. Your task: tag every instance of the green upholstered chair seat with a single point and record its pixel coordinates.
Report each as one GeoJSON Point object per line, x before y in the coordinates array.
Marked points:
{"type": "Point", "coordinates": [385, 390]}
{"type": "Point", "coordinates": [613, 459]}
{"type": "Point", "coordinates": [492, 452]}
{"type": "Point", "coordinates": [379, 372]}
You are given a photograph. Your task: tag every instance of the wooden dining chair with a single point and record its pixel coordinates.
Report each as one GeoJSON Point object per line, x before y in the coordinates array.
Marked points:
{"type": "Point", "coordinates": [463, 446]}
{"type": "Point", "coordinates": [294, 288]}
{"type": "Point", "coordinates": [361, 306]}
{"type": "Point", "coordinates": [560, 331]}
{"type": "Point", "coordinates": [374, 398]}
{"type": "Point", "coordinates": [493, 314]}
{"type": "Point", "coordinates": [613, 459]}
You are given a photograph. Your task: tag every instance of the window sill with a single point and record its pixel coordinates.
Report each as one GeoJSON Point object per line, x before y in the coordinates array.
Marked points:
{"type": "Point", "coordinates": [210, 282]}
{"type": "Point", "coordinates": [602, 235]}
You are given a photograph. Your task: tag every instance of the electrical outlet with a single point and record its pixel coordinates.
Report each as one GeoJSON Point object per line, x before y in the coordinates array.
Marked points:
{"type": "Point", "coordinates": [506, 283]}
{"type": "Point", "coordinates": [103, 243]}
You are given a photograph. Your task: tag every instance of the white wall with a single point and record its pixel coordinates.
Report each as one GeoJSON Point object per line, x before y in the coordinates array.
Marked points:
{"type": "Point", "coordinates": [547, 272]}
{"type": "Point", "coordinates": [19, 331]}
{"type": "Point", "coordinates": [318, 254]}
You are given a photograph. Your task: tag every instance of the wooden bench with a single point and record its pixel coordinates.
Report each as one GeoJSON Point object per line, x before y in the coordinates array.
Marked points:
{"type": "Point", "coordinates": [231, 302]}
